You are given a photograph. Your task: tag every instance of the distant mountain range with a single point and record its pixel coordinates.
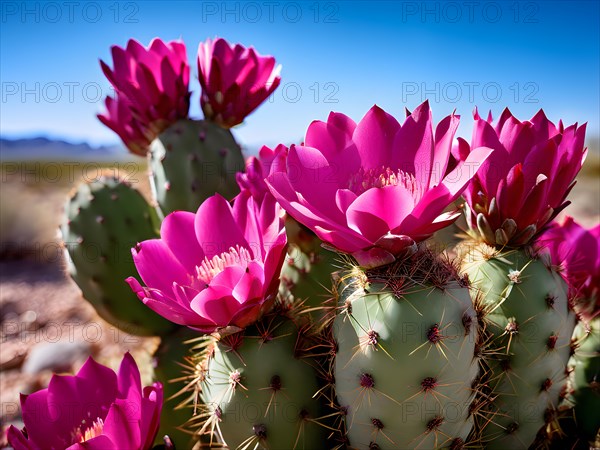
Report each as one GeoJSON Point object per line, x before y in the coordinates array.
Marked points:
{"type": "Point", "coordinates": [44, 149]}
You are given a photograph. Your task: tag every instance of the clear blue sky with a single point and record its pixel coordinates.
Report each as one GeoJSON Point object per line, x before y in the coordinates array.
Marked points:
{"type": "Point", "coordinates": [343, 56]}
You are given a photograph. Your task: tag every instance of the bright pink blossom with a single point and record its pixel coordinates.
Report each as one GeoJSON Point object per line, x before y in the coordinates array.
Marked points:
{"type": "Point", "coordinates": [151, 86]}
{"type": "Point", "coordinates": [524, 184]}
{"type": "Point", "coordinates": [96, 409]}
{"type": "Point", "coordinates": [576, 252]}
{"type": "Point", "coordinates": [375, 188]}
{"type": "Point", "coordinates": [257, 169]}
{"type": "Point", "coordinates": [235, 80]}
{"type": "Point", "coordinates": [214, 269]}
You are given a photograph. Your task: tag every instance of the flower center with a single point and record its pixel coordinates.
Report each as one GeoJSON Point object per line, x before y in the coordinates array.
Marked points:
{"type": "Point", "coordinates": [364, 180]}
{"type": "Point", "coordinates": [210, 268]}
{"type": "Point", "coordinates": [91, 432]}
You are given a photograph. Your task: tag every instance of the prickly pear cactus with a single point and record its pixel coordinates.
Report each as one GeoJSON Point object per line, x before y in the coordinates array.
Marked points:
{"type": "Point", "coordinates": [257, 392]}
{"type": "Point", "coordinates": [168, 360]}
{"type": "Point", "coordinates": [192, 160]}
{"type": "Point", "coordinates": [406, 361]}
{"type": "Point", "coordinates": [103, 220]}
{"type": "Point", "coordinates": [528, 326]}
{"type": "Point", "coordinates": [586, 380]}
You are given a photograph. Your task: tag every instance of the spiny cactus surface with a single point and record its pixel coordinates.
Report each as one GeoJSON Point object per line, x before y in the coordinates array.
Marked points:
{"type": "Point", "coordinates": [406, 359]}
{"type": "Point", "coordinates": [528, 323]}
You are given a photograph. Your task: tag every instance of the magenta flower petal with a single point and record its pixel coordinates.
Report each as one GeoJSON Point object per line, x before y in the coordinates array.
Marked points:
{"type": "Point", "coordinates": [331, 137]}
{"type": "Point", "coordinates": [575, 250]}
{"type": "Point", "coordinates": [118, 425]}
{"type": "Point", "coordinates": [178, 232]}
{"type": "Point", "coordinates": [175, 313]}
{"type": "Point", "coordinates": [216, 302]}
{"type": "Point", "coordinates": [436, 199]}
{"type": "Point", "coordinates": [511, 192]}
{"type": "Point", "coordinates": [493, 169]}
{"type": "Point", "coordinates": [248, 286]}
{"type": "Point", "coordinates": [425, 230]}
{"type": "Point", "coordinates": [344, 198]}
{"type": "Point", "coordinates": [518, 136]}
{"type": "Point", "coordinates": [176, 307]}
{"type": "Point", "coordinates": [334, 140]}
{"type": "Point", "coordinates": [535, 204]}
{"type": "Point", "coordinates": [228, 278]}
{"type": "Point", "coordinates": [377, 211]}
{"type": "Point", "coordinates": [414, 144]}
{"type": "Point", "coordinates": [251, 222]}
{"type": "Point", "coordinates": [542, 159]}
{"type": "Point", "coordinates": [268, 217]}
{"type": "Point", "coordinates": [152, 402]}
{"type": "Point", "coordinates": [376, 130]}
{"type": "Point", "coordinates": [148, 254]}
{"type": "Point", "coordinates": [19, 441]}
{"type": "Point", "coordinates": [216, 229]}
{"type": "Point", "coordinates": [129, 383]}
{"type": "Point", "coordinates": [273, 263]}
{"type": "Point", "coordinates": [444, 134]}
{"type": "Point", "coordinates": [316, 179]}
{"type": "Point", "coordinates": [95, 409]}
{"type": "Point", "coordinates": [43, 420]}
{"type": "Point", "coordinates": [257, 169]}
{"type": "Point", "coordinates": [342, 240]}
{"type": "Point", "coordinates": [98, 443]}
{"type": "Point", "coordinates": [288, 199]}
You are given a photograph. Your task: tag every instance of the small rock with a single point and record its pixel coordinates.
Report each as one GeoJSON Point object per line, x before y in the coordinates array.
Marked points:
{"type": "Point", "coordinates": [55, 356]}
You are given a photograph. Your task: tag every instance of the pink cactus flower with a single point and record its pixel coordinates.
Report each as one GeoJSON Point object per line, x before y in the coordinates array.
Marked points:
{"type": "Point", "coordinates": [235, 80]}
{"type": "Point", "coordinates": [216, 270]}
{"type": "Point", "coordinates": [376, 188]}
{"type": "Point", "coordinates": [95, 409]}
{"type": "Point", "coordinates": [151, 86]}
{"type": "Point", "coordinates": [576, 252]}
{"type": "Point", "coordinates": [525, 182]}
{"type": "Point", "coordinates": [118, 118]}
{"type": "Point", "coordinates": [257, 169]}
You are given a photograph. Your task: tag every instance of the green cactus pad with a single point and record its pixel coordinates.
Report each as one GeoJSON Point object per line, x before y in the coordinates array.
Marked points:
{"type": "Point", "coordinates": [586, 380]}
{"type": "Point", "coordinates": [528, 323]}
{"type": "Point", "coordinates": [306, 272]}
{"type": "Point", "coordinates": [257, 392]}
{"type": "Point", "coordinates": [170, 357]}
{"type": "Point", "coordinates": [406, 361]}
{"type": "Point", "coordinates": [192, 160]}
{"type": "Point", "coordinates": [103, 220]}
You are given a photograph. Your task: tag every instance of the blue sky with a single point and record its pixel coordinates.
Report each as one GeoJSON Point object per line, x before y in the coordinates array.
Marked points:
{"type": "Point", "coordinates": [343, 56]}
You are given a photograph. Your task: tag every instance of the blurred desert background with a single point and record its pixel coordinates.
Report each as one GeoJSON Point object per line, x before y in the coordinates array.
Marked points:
{"type": "Point", "coordinates": [45, 324]}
